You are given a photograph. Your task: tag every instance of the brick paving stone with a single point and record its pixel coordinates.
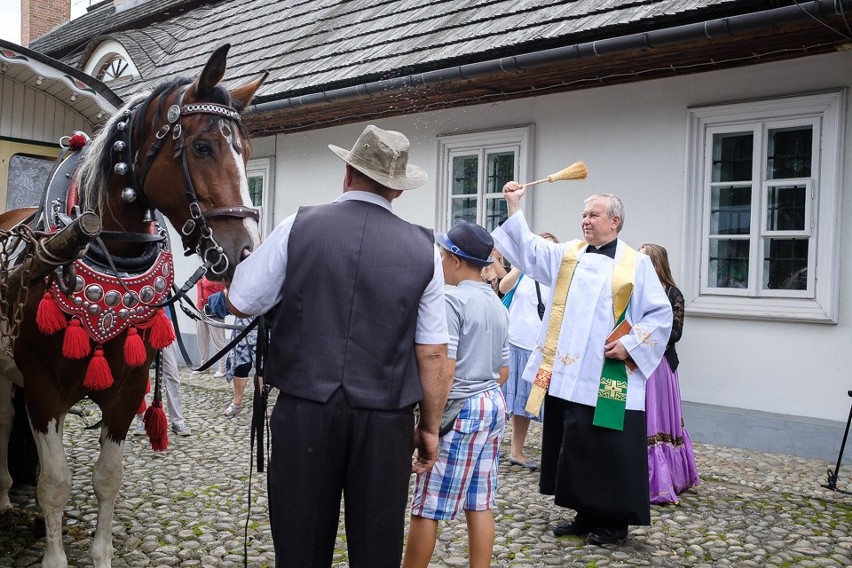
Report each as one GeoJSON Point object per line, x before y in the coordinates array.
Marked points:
{"type": "Point", "coordinates": [188, 506]}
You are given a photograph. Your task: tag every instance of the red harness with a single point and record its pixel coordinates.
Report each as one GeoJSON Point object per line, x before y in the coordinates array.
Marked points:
{"type": "Point", "coordinates": [102, 306]}
{"type": "Point", "coordinates": [105, 308]}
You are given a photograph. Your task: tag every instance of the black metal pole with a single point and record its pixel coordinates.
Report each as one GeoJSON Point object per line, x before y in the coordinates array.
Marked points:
{"type": "Point", "coordinates": [832, 475]}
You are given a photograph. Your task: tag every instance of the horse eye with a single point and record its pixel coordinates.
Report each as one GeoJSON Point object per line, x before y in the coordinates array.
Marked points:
{"type": "Point", "coordinates": [202, 148]}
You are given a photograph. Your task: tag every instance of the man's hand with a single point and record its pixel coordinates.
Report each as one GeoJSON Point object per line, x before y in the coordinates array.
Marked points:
{"type": "Point", "coordinates": [513, 192]}
{"type": "Point", "coordinates": [232, 309]}
{"type": "Point", "coordinates": [435, 380]}
{"type": "Point", "coordinates": [615, 350]}
{"type": "Point", "coordinates": [426, 445]}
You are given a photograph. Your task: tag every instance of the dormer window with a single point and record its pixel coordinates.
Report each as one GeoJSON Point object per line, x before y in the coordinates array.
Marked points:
{"type": "Point", "coordinates": [110, 62]}
{"type": "Point", "coordinates": [115, 67]}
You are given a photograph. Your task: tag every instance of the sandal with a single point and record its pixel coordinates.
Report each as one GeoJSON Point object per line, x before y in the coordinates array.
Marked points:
{"type": "Point", "coordinates": [529, 464]}
{"type": "Point", "coordinates": [232, 410]}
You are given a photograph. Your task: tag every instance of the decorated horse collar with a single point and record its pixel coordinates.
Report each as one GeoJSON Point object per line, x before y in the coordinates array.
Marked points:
{"type": "Point", "coordinates": [106, 306]}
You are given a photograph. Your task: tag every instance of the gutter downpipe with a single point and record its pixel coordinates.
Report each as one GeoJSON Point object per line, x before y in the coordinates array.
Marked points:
{"type": "Point", "coordinates": [709, 29]}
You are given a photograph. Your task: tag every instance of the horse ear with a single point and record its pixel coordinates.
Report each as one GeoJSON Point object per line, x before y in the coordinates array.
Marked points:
{"type": "Point", "coordinates": [213, 72]}
{"type": "Point", "coordinates": [242, 95]}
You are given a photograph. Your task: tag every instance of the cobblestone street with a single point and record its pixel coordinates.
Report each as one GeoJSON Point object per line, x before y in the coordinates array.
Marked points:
{"type": "Point", "coordinates": [188, 507]}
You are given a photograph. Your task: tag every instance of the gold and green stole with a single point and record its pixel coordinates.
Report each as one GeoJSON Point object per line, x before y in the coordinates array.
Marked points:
{"type": "Point", "coordinates": [612, 393]}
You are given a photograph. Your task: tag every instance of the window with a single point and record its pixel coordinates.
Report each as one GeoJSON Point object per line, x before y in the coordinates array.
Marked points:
{"type": "Point", "coordinates": [109, 62]}
{"type": "Point", "coordinates": [472, 171]}
{"type": "Point", "coordinates": [24, 171]}
{"type": "Point", "coordinates": [27, 178]}
{"type": "Point", "coordinates": [259, 173]}
{"type": "Point", "coordinates": [114, 67]}
{"type": "Point", "coordinates": [763, 199]}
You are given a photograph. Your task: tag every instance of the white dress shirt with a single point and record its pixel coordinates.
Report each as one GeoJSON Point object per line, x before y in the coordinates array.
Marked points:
{"type": "Point", "coordinates": [258, 282]}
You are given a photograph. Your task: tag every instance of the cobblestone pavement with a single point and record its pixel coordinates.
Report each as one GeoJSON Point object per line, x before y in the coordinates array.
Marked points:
{"type": "Point", "coordinates": [188, 507]}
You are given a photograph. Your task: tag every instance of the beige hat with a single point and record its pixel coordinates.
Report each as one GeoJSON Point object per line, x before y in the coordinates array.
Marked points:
{"type": "Point", "coordinates": [382, 155]}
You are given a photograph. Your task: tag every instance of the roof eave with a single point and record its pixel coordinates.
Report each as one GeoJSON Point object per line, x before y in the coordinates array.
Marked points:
{"type": "Point", "coordinates": [41, 72]}
{"type": "Point", "coordinates": [775, 34]}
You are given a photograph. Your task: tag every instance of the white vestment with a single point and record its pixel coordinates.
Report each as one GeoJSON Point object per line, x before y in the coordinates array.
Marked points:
{"type": "Point", "coordinates": [589, 317]}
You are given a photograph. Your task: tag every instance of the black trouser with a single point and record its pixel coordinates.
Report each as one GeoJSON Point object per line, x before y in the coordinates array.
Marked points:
{"type": "Point", "coordinates": [600, 473]}
{"type": "Point", "coordinates": [553, 425]}
{"type": "Point", "coordinates": [323, 450]}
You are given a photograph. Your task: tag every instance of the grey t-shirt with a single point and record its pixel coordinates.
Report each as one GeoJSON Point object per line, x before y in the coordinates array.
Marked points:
{"type": "Point", "coordinates": [479, 337]}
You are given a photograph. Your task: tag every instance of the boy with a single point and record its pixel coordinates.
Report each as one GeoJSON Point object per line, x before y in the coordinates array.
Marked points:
{"type": "Point", "coordinates": [465, 474]}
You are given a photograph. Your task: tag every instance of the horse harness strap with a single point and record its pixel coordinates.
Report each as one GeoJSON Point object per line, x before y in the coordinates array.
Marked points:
{"type": "Point", "coordinates": [244, 331]}
{"type": "Point", "coordinates": [212, 254]}
{"type": "Point", "coordinates": [210, 108]}
{"type": "Point", "coordinates": [237, 211]}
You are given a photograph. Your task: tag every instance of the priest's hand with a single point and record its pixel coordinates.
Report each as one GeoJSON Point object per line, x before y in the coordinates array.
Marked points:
{"type": "Point", "coordinates": [513, 192]}
{"type": "Point", "coordinates": [615, 350]}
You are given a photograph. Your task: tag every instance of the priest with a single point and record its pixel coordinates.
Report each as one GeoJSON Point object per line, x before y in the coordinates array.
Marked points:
{"type": "Point", "coordinates": [605, 331]}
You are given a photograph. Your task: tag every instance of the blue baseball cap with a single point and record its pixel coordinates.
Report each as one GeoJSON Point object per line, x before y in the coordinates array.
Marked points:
{"type": "Point", "coordinates": [468, 241]}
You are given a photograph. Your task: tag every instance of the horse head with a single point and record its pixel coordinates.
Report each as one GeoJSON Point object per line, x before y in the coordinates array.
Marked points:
{"type": "Point", "coordinates": [182, 150]}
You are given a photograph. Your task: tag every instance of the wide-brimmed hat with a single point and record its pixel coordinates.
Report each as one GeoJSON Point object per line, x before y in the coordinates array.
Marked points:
{"type": "Point", "coordinates": [382, 155]}
{"type": "Point", "coordinates": [468, 241]}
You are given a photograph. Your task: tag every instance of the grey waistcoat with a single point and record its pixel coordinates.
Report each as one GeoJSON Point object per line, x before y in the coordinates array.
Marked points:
{"type": "Point", "coordinates": [355, 275]}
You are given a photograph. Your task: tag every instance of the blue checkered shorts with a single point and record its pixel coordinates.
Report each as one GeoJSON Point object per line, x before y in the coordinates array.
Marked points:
{"type": "Point", "coordinates": [465, 474]}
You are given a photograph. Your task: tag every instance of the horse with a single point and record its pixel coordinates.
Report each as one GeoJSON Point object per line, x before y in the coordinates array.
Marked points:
{"type": "Point", "coordinates": [179, 150]}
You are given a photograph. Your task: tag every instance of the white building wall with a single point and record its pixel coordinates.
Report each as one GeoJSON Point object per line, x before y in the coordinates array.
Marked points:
{"type": "Point", "coordinates": [633, 139]}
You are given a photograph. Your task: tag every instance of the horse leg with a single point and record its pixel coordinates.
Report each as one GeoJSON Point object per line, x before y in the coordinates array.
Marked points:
{"type": "Point", "coordinates": [53, 489]}
{"type": "Point", "coordinates": [7, 415]}
{"type": "Point", "coordinates": [106, 480]}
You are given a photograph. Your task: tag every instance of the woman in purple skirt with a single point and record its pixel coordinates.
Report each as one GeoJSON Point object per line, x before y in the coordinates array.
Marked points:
{"type": "Point", "coordinates": [671, 462]}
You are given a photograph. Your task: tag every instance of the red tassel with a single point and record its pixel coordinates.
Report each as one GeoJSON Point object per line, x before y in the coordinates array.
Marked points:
{"type": "Point", "coordinates": [156, 426]}
{"type": "Point", "coordinates": [134, 349]}
{"type": "Point", "coordinates": [98, 374]}
{"type": "Point", "coordinates": [49, 316]}
{"type": "Point", "coordinates": [78, 140]}
{"type": "Point", "coordinates": [162, 332]}
{"type": "Point", "coordinates": [76, 344]}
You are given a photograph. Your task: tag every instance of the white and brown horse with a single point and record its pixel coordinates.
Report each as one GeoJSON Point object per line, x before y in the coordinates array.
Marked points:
{"type": "Point", "coordinates": [180, 150]}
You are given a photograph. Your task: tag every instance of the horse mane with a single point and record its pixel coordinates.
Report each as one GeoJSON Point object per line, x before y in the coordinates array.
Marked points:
{"type": "Point", "coordinates": [97, 164]}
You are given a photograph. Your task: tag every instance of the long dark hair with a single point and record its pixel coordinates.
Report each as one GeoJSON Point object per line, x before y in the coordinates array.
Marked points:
{"type": "Point", "coordinates": [660, 260]}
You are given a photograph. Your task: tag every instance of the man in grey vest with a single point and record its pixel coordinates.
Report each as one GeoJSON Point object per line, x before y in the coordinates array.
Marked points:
{"type": "Point", "coordinates": [359, 337]}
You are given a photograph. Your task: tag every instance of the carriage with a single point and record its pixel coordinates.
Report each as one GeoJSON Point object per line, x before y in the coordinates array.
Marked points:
{"type": "Point", "coordinates": [91, 327]}
{"type": "Point", "coordinates": [43, 101]}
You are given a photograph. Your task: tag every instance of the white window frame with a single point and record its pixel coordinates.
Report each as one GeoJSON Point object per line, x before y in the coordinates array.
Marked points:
{"type": "Point", "coordinates": [517, 139]}
{"type": "Point", "coordinates": [820, 302]}
{"type": "Point", "coordinates": [262, 167]}
{"type": "Point", "coordinates": [106, 51]}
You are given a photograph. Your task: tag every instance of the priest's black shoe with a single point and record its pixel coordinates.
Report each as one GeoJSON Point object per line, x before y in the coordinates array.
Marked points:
{"type": "Point", "coordinates": [569, 528]}
{"type": "Point", "coordinates": [606, 536]}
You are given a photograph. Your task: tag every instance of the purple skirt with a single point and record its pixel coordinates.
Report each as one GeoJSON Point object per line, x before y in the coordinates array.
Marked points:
{"type": "Point", "coordinates": [671, 462]}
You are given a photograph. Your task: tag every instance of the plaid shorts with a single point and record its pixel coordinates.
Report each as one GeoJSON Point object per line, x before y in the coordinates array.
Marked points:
{"type": "Point", "coordinates": [465, 474]}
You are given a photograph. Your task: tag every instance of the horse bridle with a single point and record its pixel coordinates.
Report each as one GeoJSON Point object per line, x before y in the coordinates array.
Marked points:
{"type": "Point", "coordinates": [206, 246]}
